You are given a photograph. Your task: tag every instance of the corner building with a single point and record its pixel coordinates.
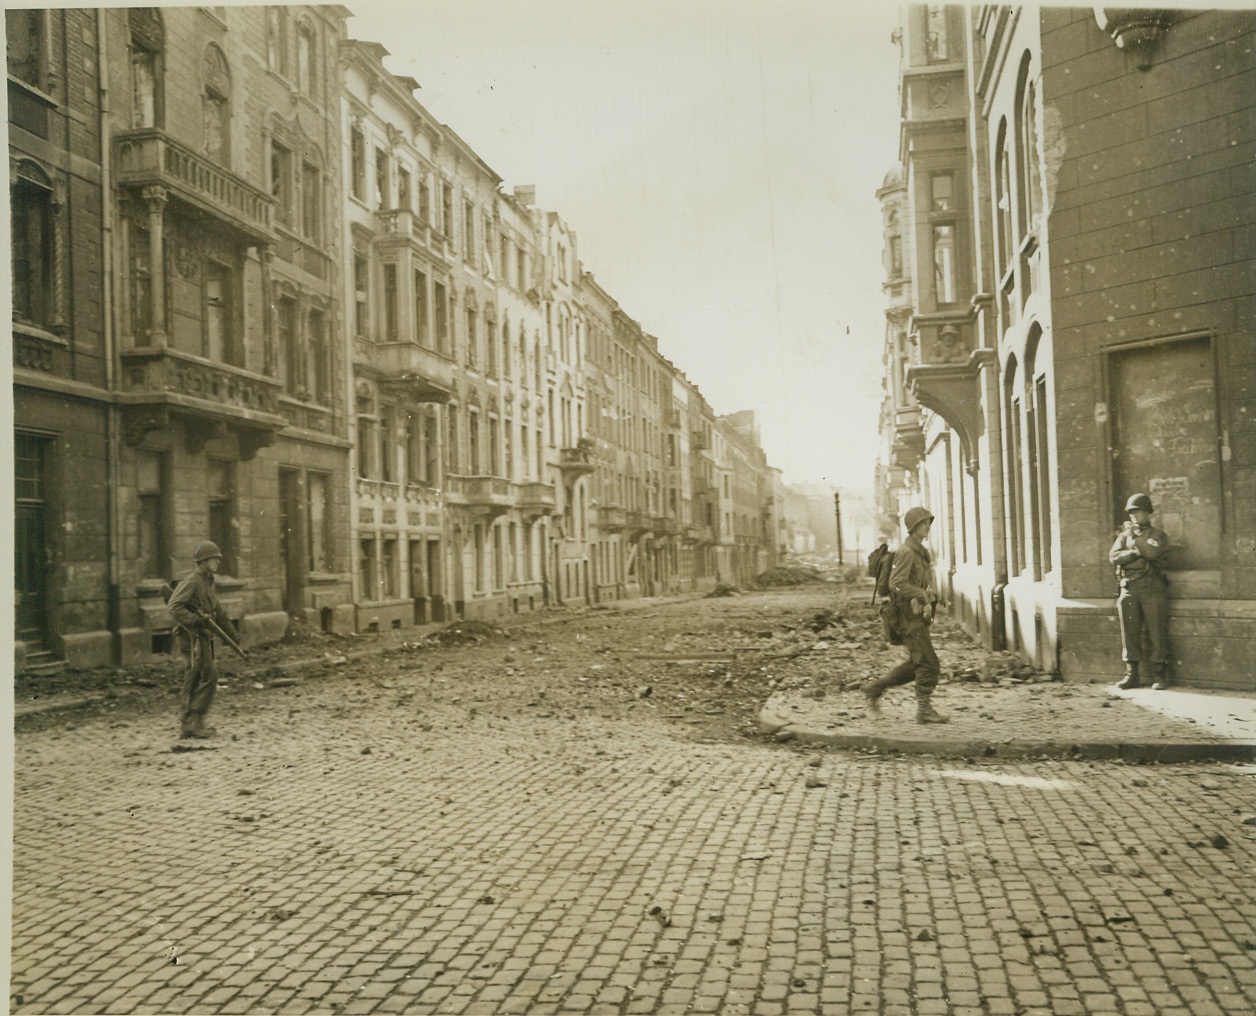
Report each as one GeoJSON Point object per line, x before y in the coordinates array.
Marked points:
{"type": "Point", "coordinates": [203, 333]}
{"type": "Point", "coordinates": [1082, 198]}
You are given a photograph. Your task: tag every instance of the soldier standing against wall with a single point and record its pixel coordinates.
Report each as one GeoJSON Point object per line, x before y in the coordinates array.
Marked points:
{"type": "Point", "coordinates": [913, 595]}
{"type": "Point", "coordinates": [194, 605]}
{"type": "Point", "coordinates": [1144, 601]}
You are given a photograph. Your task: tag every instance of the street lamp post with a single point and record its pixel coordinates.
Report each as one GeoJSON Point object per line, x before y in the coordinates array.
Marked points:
{"type": "Point", "coordinates": [837, 508]}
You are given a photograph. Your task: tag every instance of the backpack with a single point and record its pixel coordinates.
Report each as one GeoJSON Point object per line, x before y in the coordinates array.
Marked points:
{"type": "Point", "coordinates": [880, 563]}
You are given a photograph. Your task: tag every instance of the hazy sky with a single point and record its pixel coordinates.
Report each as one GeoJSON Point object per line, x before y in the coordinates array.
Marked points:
{"type": "Point", "coordinates": [718, 160]}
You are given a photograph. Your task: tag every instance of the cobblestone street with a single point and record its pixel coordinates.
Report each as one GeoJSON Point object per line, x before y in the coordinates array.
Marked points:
{"type": "Point", "coordinates": [524, 825]}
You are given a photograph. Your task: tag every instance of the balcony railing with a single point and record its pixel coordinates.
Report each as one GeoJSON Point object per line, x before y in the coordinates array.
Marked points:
{"type": "Point", "coordinates": [151, 157]}
{"type": "Point", "coordinates": [422, 374]}
{"type": "Point", "coordinates": [482, 494]}
{"type": "Point", "coordinates": [210, 396]}
{"type": "Point", "coordinates": [536, 498]}
{"type": "Point", "coordinates": [577, 461]}
{"type": "Point", "coordinates": [612, 518]}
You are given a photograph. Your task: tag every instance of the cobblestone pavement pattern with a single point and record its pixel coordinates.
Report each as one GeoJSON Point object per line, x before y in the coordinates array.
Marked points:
{"type": "Point", "coordinates": [510, 827]}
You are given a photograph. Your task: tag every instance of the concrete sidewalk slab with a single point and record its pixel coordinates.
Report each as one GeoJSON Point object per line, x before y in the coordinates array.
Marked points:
{"type": "Point", "coordinates": [1032, 719]}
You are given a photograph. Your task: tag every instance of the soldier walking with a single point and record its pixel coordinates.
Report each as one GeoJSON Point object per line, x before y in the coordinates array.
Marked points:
{"type": "Point", "coordinates": [1143, 605]}
{"type": "Point", "coordinates": [913, 597]}
{"type": "Point", "coordinates": [194, 605]}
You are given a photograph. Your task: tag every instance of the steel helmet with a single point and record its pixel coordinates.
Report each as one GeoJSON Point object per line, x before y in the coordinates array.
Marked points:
{"type": "Point", "coordinates": [1138, 503]}
{"type": "Point", "coordinates": [915, 516]}
{"type": "Point", "coordinates": [205, 550]}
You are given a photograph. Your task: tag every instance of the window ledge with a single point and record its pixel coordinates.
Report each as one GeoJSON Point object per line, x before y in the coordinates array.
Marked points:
{"type": "Point", "coordinates": [35, 92]}
{"type": "Point", "coordinates": [23, 328]}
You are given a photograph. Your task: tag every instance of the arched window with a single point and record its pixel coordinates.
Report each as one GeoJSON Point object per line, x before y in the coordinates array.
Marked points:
{"type": "Point", "coordinates": [523, 354]}
{"type": "Point", "coordinates": [216, 105]}
{"type": "Point", "coordinates": [1029, 177]}
{"type": "Point", "coordinates": [1013, 463]}
{"type": "Point", "coordinates": [277, 39]}
{"type": "Point", "coordinates": [31, 206]}
{"type": "Point", "coordinates": [1038, 453]}
{"type": "Point", "coordinates": [307, 59]}
{"type": "Point", "coordinates": [1003, 200]}
{"type": "Point", "coordinates": [148, 43]}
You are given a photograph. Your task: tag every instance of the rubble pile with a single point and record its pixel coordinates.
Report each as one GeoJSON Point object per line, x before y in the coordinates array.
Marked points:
{"type": "Point", "coordinates": [787, 575]}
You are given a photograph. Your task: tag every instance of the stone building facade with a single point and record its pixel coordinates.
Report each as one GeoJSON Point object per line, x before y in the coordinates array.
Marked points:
{"type": "Point", "coordinates": [309, 324]}
{"type": "Point", "coordinates": [1095, 170]}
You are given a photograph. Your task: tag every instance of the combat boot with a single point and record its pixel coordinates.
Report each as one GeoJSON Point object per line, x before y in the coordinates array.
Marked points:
{"type": "Point", "coordinates": [1163, 680]}
{"type": "Point", "coordinates": [1130, 680]}
{"type": "Point", "coordinates": [925, 713]}
{"type": "Point", "coordinates": [872, 692]}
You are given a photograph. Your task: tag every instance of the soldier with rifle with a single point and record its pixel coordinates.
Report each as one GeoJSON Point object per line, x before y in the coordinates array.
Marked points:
{"type": "Point", "coordinates": [194, 605]}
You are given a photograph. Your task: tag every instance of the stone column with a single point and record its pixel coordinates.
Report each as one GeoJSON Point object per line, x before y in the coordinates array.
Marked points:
{"type": "Point", "coordinates": [267, 253]}
{"type": "Point", "coordinates": [155, 202]}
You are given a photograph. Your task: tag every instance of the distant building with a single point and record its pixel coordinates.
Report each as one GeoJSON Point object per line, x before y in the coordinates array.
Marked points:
{"type": "Point", "coordinates": [1079, 187]}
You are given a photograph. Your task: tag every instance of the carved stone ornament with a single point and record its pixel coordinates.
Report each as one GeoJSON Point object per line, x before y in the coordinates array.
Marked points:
{"type": "Point", "coordinates": [1137, 30]}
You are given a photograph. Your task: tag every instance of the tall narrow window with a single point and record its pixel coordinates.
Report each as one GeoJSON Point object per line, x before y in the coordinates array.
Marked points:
{"type": "Point", "coordinates": [446, 209]}
{"type": "Point", "coordinates": [472, 336]}
{"type": "Point", "coordinates": [286, 322]}
{"type": "Point", "coordinates": [422, 332]}
{"type": "Point", "coordinates": [499, 559]}
{"type": "Point", "coordinates": [216, 106]}
{"type": "Point", "coordinates": [942, 191]}
{"type": "Point", "coordinates": [311, 202]}
{"type": "Point", "coordinates": [1029, 157]}
{"type": "Point", "coordinates": [220, 344]}
{"type": "Point", "coordinates": [490, 345]}
{"type": "Point", "coordinates": [425, 202]}
{"type": "Point", "coordinates": [441, 308]}
{"type": "Point", "coordinates": [150, 488]}
{"type": "Point", "coordinates": [1003, 202]}
{"type": "Point", "coordinates": [361, 273]}
{"type": "Point", "coordinates": [473, 442]}
{"type": "Point", "coordinates": [221, 527]}
{"type": "Point", "coordinates": [431, 448]}
{"type": "Point", "coordinates": [141, 281]}
{"type": "Point", "coordinates": [382, 193]}
{"type": "Point", "coordinates": [403, 188]}
{"type": "Point", "coordinates": [944, 263]}
{"type": "Point", "coordinates": [387, 445]}
{"type": "Point", "coordinates": [494, 447]}
{"type": "Point", "coordinates": [390, 302]}
{"type": "Point", "coordinates": [281, 182]}
{"type": "Point", "coordinates": [368, 449]}
{"type": "Point", "coordinates": [318, 526]}
{"type": "Point", "coordinates": [24, 32]}
{"type": "Point", "coordinates": [468, 232]}
{"type": "Point", "coordinates": [357, 163]}
{"type": "Point", "coordinates": [937, 37]}
{"type": "Point", "coordinates": [452, 451]}
{"type": "Point", "coordinates": [320, 368]}
{"type": "Point", "coordinates": [507, 370]}
{"type": "Point", "coordinates": [307, 60]}
{"type": "Point", "coordinates": [147, 50]}
{"type": "Point", "coordinates": [277, 39]}
{"type": "Point", "coordinates": [31, 207]}
{"type": "Point", "coordinates": [1045, 528]}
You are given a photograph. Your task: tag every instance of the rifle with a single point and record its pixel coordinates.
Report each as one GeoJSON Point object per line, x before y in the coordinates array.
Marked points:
{"type": "Point", "coordinates": [222, 634]}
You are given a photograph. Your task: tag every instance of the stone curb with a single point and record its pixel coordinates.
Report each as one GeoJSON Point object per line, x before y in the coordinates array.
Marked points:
{"type": "Point", "coordinates": [1147, 751]}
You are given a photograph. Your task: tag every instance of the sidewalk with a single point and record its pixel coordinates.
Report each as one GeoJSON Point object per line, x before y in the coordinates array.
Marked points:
{"type": "Point", "coordinates": [1029, 719]}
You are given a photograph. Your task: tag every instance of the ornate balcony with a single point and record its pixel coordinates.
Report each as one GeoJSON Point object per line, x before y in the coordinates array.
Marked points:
{"type": "Point", "coordinates": [152, 158]}
{"type": "Point", "coordinates": [612, 518]}
{"type": "Point", "coordinates": [413, 371]}
{"type": "Point", "coordinates": [536, 499]}
{"type": "Point", "coordinates": [947, 380]}
{"type": "Point", "coordinates": [209, 397]}
{"type": "Point", "coordinates": [638, 523]}
{"type": "Point", "coordinates": [401, 226]}
{"type": "Point", "coordinates": [480, 495]}
{"type": "Point", "coordinates": [578, 461]}
{"type": "Point", "coordinates": [909, 438]}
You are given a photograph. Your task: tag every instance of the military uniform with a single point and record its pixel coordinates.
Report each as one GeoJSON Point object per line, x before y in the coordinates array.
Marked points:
{"type": "Point", "coordinates": [913, 597]}
{"type": "Point", "coordinates": [1143, 605]}
{"type": "Point", "coordinates": [194, 599]}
